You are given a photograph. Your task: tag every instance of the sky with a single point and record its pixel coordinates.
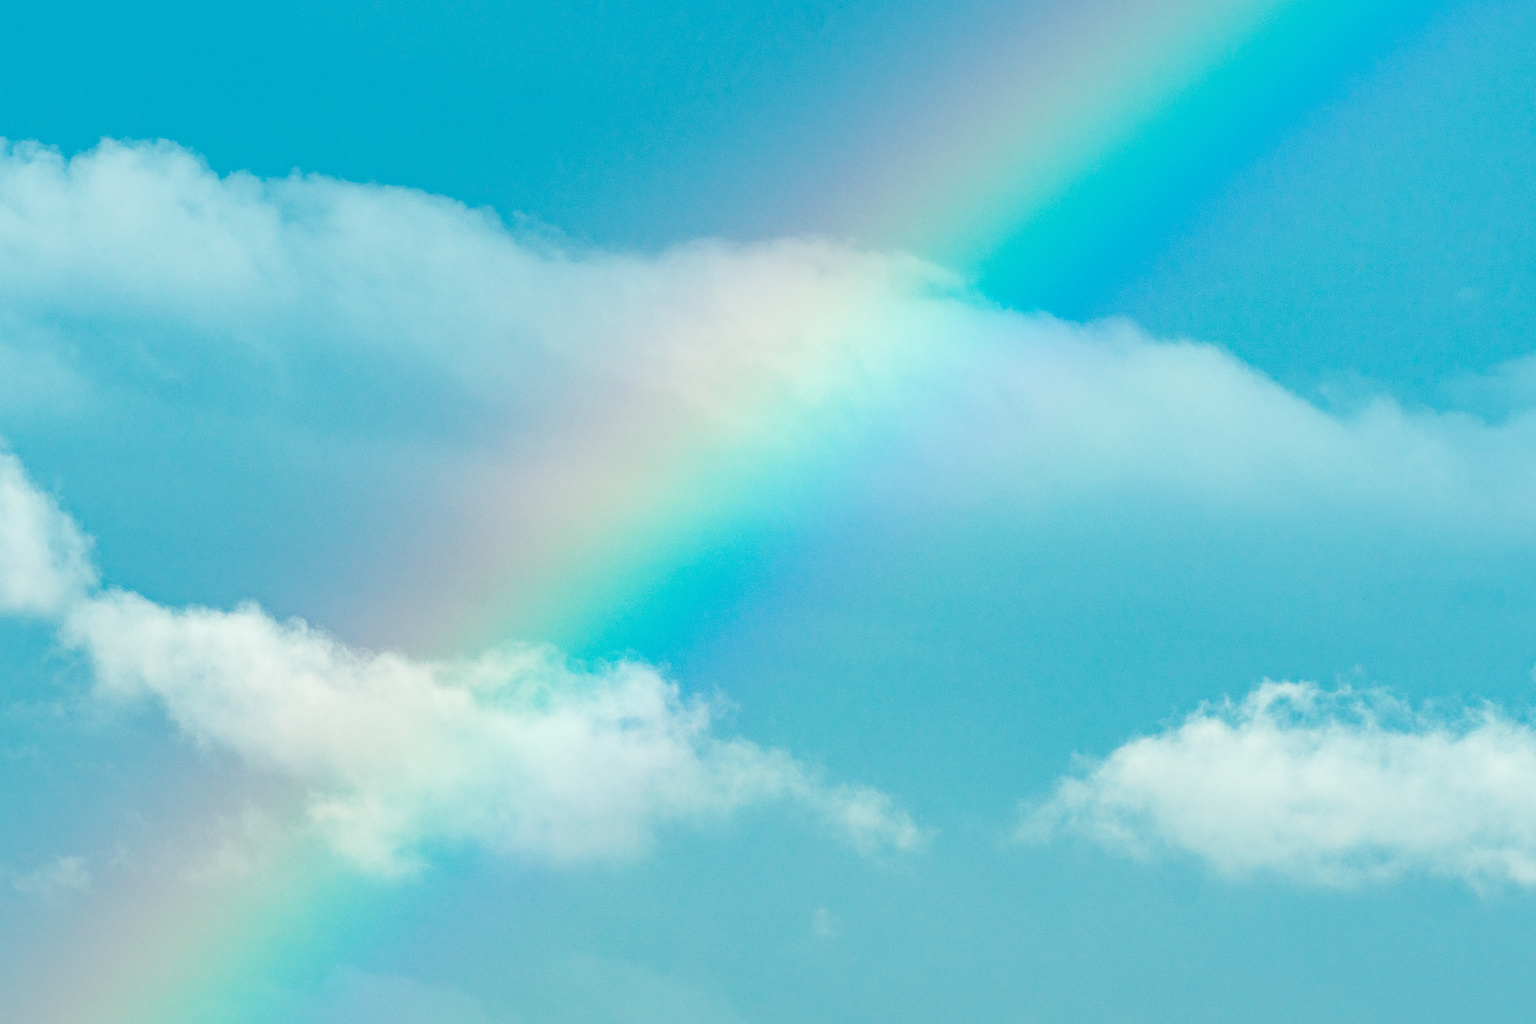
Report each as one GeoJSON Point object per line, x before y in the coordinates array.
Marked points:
{"type": "Point", "coordinates": [756, 513]}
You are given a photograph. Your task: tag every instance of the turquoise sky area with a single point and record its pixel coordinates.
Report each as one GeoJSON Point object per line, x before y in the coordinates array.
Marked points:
{"type": "Point", "coordinates": [799, 513]}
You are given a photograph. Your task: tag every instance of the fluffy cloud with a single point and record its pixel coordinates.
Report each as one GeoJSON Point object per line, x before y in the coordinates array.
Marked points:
{"type": "Point", "coordinates": [203, 282]}
{"type": "Point", "coordinates": [1327, 787]}
{"type": "Point", "coordinates": [514, 750]}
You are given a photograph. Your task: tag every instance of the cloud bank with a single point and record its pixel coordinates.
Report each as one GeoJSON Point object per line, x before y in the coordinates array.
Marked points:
{"type": "Point", "coordinates": [515, 750]}
{"type": "Point", "coordinates": [390, 312]}
{"type": "Point", "coordinates": [579, 412]}
{"type": "Point", "coordinates": [1328, 787]}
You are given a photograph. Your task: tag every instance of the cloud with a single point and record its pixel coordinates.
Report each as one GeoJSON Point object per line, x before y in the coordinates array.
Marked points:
{"type": "Point", "coordinates": [44, 559]}
{"type": "Point", "coordinates": [550, 410]}
{"type": "Point", "coordinates": [359, 308]}
{"type": "Point", "coordinates": [165, 278]}
{"type": "Point", "coordinates": [579, 411]}
{"type": "Point", "coordinates": [514, 750]}
{"type": "Point", "coordinates": [1046, 412]}
{"type": "Point", "coordinates": [1328, 787]}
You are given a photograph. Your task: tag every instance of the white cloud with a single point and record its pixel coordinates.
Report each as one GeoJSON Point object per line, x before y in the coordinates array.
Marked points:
{"type": "Point", "coordinates": [273, 281]}
{"type": "Point", "coordinates": [1327, 787]}
{"type": "Point", "coordinates": [362, 307]}
{"type": "Point", "coordinates": [1045, 412]}
{"type": "Point", "coordinates": [572, 408]}
{"type": "Point", "coordinates": [44, 559]}
{"type": "Point", "coordinates": [582, 408]}
{"type": "Point", "coordinates": [514, 750]}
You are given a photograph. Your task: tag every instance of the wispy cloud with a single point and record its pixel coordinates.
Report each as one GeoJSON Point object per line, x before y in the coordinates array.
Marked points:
{"type": "Point", "coordinates": [1328, 787]}
{"type": "Point", "coordinates": [66, 875]}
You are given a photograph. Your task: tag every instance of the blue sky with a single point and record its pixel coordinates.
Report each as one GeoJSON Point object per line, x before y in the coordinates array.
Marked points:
{"type": "Point", "coordinates": [505, 519]}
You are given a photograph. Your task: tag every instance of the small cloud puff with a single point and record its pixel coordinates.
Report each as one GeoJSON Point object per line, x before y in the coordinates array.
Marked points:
{"type": "Point", "coordinates": [1327, 787]}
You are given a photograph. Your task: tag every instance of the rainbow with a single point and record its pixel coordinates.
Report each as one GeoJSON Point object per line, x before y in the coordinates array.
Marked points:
{"type": "Point", "coordinates": [1006, 145]}
{"type": "Point", "coordinates": [1045, 110]}
{"type": "Point", "coordinates": [638, 489]}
